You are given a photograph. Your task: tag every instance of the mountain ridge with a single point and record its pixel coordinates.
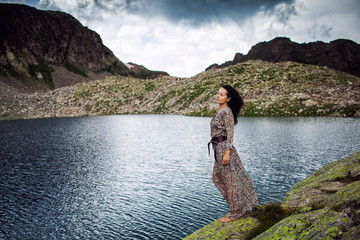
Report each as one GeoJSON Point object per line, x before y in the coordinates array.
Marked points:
{"type": "Point", "coordinates": [340, 54]}
{"type": "Point", "coordinates": [42, 50]}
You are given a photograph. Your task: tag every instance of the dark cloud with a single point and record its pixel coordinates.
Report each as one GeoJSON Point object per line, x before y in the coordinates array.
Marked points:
{"type": "Point", "coordinates": [193, 12]}
{"type": "Point", "coordinates": [197, 12]}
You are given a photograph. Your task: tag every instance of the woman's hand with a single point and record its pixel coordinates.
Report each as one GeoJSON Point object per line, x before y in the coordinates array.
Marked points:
{"type": "Point", "coordinates": [226, 158]}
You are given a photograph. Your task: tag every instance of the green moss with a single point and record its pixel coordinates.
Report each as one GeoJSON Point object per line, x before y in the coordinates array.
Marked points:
{"type": "Point", "coordinates": [306, 191]}
{"type": "Point", "coordinates": [352, 233]}
{"type": "Point", "coordinates": [217, 230]}
{"type": "Point", "coordinates": [320, 224]}
{"type": "Point", "coordinates": [330, 172]}
{"type": "Point", "coordinates": [345, 197]}
{"type": "Point", "coordinates": [332, 232]}
{"type": "Point", "coordinates": [317, 205]}
{"type": "Point", "coordinates": [267, 215]}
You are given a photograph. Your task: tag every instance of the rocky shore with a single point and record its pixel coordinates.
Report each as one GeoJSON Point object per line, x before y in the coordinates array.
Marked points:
{"type": "Point", "coordinates": [325, 205]}
{"type": "Point", "coordinates": [269, 89]}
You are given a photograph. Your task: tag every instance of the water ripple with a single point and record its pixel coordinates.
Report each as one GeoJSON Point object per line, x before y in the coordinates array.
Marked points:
{"type": "Point", "coordinates": [146, 177]}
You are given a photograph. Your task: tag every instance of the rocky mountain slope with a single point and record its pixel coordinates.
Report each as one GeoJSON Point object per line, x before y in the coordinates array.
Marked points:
{"type": "Point", "coordinates": [269, 89]}
{"type": "Point", "coordinates": [325, 205]}
{"type": "Point", "coordinates": [341, 54]}
{"type": "Point", "coordinates": [41, 50]}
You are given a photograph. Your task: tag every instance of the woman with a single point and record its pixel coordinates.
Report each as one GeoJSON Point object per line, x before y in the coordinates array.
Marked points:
{"type": "Point", "coordinates": [229, 175]}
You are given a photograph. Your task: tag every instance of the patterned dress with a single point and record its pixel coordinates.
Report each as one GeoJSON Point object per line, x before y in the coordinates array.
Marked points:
{"type": "Point", "coordinates": [232, 180]}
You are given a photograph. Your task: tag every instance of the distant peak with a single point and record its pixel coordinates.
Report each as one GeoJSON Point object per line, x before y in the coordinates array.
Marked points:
{"type": "Point", "coordinates": [340, 54]}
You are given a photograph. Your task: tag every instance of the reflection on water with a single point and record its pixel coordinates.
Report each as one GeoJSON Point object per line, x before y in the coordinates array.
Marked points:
{"type": "Point", "coordinates": [146, 176]}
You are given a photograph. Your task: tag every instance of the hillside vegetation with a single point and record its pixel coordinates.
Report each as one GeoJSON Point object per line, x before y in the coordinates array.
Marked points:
{"type": "Point", "coordinates": [269, 89]}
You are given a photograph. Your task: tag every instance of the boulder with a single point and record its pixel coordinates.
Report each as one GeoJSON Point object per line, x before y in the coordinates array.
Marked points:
{"type": "Point", "coordinates": [323, 183]}
{"type": "Point", "coordinates": [320, 224]}
{"type": "Point", "coordinates": [309, 103]}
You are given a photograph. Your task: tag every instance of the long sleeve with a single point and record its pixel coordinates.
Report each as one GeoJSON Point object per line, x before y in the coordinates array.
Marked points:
{"type": "Point", "coordinates": [229, 127]}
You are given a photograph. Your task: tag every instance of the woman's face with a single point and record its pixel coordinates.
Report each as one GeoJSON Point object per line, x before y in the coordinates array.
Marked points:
{"type": "Point", "coordinates": [221, 97]}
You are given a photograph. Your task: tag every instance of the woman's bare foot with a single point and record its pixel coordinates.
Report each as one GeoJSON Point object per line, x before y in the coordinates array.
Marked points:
{"type": "Point", "coordinates": [227, 219]}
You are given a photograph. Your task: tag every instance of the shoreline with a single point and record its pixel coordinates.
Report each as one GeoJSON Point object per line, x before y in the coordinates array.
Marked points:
{"type": "Point", "coordinates": [6, 118]}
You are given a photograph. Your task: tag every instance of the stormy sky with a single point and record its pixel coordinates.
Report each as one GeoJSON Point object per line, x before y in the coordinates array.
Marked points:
{"type": "Point", "coordinates": [183, 37]}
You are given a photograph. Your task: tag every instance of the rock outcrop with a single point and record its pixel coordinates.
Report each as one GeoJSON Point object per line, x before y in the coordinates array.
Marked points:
{"type": "Point", "coordinates": [341, 54]}
{"type": "Point", "coordinates": [325, 205]}
{"type": "Point", "coordinates": [51, 49]}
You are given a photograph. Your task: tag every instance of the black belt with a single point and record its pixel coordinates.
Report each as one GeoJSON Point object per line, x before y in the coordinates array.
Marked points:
{"type": "Point", "coordinates": [214, 141]}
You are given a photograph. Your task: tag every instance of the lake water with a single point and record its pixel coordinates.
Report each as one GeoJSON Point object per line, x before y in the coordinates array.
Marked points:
{"type": "Point", "coordinates": [147, 176]}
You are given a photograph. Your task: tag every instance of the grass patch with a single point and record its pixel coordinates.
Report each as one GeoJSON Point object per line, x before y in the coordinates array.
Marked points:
{"type": "Point", "coordinates": [238, 69]}
{"type": "Point", "coordinates": [149, 86]}
{"type": "Point", "coordinates": [268, 215]}
{"type": "Point", "coordinates": [190, 94]}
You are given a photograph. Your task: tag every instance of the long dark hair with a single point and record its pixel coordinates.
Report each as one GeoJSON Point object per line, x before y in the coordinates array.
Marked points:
{"type": "Point", "coordinates": [236, 102]}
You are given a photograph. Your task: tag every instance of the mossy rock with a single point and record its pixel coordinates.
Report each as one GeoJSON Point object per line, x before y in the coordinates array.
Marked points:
{"type": "Point", "coordinates": [318, 187]}
{"type": "Point", "coordinates": [352, 234]}
{"type": "Point", "coordinates": [347, 197]}
{"type": "Point", "coordinates": [234, 230]}
{"type": "Point", "coordinates": [334, 215]}
{"type": "Point", "coordinates": [320, 224]}
{"type": "Point", "coordinates": [333, 171]}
